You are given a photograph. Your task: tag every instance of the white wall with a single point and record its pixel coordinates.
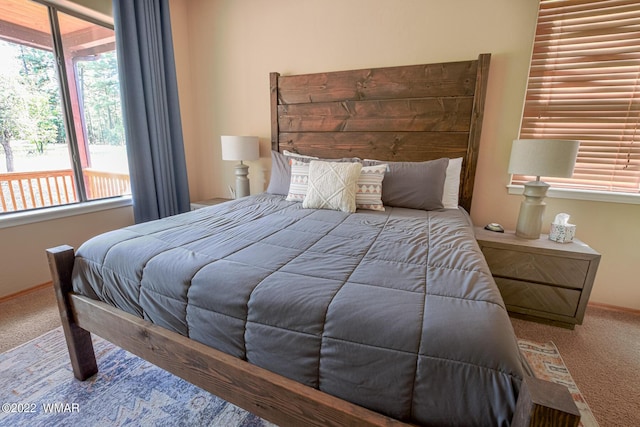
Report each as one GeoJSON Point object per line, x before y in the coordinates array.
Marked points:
{"type": "Point", "coordinates": [23, 262]}
{"type": "Point", "coordinates": [226, 49]}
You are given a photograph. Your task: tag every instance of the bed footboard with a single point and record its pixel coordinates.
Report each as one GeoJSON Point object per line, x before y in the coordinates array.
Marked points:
{"type": "Point", "coordinates": [543, 403]}
{"type": "Point", "coordinates": [83, 359]}
{"type": "Point", "coordinates": [270, 396]}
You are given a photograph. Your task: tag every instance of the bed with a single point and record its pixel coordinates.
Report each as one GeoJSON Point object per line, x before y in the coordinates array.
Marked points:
{"type": "Point", "coordinates": [305, 315]}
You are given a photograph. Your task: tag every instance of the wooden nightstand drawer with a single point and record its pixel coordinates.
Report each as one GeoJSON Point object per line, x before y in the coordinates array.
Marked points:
{"type": "Point", "coordinates": [540, 279]}
{"type": "Point", "coordinates": [519, 295]}
{"type": "Point", "coordinates": [534, 267]}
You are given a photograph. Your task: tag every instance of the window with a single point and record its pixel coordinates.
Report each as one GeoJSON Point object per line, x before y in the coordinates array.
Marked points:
{"type": "Point", "coordinates": [61, 131]}
{"type": "Point", "coordinates": [584, 84]}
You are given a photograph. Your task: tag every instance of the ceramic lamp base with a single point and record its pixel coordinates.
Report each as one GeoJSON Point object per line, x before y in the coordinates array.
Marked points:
{"type": "Point", "coordinates": [242, 182]}
{"type": "Point", "coordinates": [531, 210]}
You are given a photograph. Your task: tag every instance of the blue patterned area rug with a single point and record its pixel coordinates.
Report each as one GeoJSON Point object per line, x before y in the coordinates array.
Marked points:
{"type": "Point", "coordinates": [37, 388]}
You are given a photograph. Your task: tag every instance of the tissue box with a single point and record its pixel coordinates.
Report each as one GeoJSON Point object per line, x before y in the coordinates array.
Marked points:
{"type": "Point", "coordinates": [562, 233]}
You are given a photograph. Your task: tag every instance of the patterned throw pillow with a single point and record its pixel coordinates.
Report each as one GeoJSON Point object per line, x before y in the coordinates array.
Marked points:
{"type": "Point", "coordinates": [299, 180]}
{"type": "Point", "coordinates": [369, 195]}
{"type": "Point", "coordinates": [332, 185]}
{"type": "Point", "coordinates": [369, 185]}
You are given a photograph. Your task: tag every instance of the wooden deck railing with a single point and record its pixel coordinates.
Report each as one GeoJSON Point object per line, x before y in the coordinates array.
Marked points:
{"type": "Point", "coordinates": [29, 190]}
{"type": "Point", "coordinates": [102, 184]}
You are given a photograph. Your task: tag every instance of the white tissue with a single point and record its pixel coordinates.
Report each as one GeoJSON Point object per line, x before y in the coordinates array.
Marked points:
{"type": "Point", "coordinates": [561, 219]}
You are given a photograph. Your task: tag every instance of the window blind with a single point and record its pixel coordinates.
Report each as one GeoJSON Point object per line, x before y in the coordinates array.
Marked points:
{"type": "Point", "coordinates": [584, 84]}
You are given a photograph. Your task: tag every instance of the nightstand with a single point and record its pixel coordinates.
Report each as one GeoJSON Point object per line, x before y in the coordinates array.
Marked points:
{"type": "Point", "coordinates": [540, 279]}
{"type": "Point", "coordinates": [208, 202]}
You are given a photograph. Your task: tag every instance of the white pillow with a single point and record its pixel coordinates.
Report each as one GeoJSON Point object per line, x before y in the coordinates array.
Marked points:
{"type": "Point", "coordinates": [452, 184]}
{"type": "Point", "coordinates": [332, 185]}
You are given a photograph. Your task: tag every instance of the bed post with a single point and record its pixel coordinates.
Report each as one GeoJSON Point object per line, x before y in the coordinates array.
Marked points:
{"type": "Point", "coordinates": [83, 359]}
{"type": "Point", "coordinates": [273, 83]}
{"type": "Point", "coordinates": [475, 131]}
{"type": "Point", "coordinates": [543, 403]}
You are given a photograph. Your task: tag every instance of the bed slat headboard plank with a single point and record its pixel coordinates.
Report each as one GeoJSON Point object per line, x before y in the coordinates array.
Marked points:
{"type": "Point", "coordinates": [410, 113]}
{"type": "Point", "coordinates": [412, 81]}
{"type": "Point", "coordinates": [475, 130]}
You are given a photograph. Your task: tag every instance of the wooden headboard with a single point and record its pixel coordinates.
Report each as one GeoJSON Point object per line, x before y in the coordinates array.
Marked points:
{"type": "Point", "coordinates": [410, 113]}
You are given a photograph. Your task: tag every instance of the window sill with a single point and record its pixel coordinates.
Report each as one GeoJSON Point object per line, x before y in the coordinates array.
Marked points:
{"type": "Point", "coordinates": [46, 214]}
{"type": "Point", "coordinates": [594, 196]}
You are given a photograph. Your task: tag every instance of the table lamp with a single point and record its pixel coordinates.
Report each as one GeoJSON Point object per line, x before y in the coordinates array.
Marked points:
{"type": "Point", "coordinates": [240, 148]}
{"type": "Point", "coordinates": [539, 157]}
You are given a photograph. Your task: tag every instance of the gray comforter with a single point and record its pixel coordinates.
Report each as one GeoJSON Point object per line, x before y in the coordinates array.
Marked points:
{"type": "Point", "coordinates": [396, 311]}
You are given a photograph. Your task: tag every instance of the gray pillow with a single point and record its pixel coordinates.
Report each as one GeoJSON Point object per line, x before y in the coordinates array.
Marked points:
{"type": "Point", "coordinates": [414, 185]}
{"type": "Point", "coordinates": [280, 174]}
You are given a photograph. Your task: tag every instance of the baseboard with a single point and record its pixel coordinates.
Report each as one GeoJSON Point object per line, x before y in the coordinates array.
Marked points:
{"type": "Point", "coordinates": [26, 291]}
{"type": "Point", "coordinates": [613, 307]}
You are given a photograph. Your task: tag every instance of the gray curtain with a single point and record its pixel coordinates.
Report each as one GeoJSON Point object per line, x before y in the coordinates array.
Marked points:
{"type": "Point", "coordinates": [150, 107]}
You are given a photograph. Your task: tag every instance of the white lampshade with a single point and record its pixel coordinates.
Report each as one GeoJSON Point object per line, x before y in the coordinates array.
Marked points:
{"type": "Point", "coordinates": [543, 157]}
{"type": "Point", "coordinates": [240, 147]}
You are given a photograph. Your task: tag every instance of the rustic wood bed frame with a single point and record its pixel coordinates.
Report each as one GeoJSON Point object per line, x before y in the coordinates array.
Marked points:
{"type": "Point", "coordinates": [411, 113]}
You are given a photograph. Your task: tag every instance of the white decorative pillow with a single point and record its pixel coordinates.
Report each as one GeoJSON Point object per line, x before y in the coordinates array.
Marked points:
{"type": "Point", "coordinates": [369, 185]}
{"type": "Point", "coordinates": [452, 184]}
{"type": "Point", "coordinates": [332, 185]}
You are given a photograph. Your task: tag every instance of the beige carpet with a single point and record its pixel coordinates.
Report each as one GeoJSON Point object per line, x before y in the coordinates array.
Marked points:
{"type": "Point", "coordinates": [26, 317]}
{"type": "Point", "coordinates": [602, 355]}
